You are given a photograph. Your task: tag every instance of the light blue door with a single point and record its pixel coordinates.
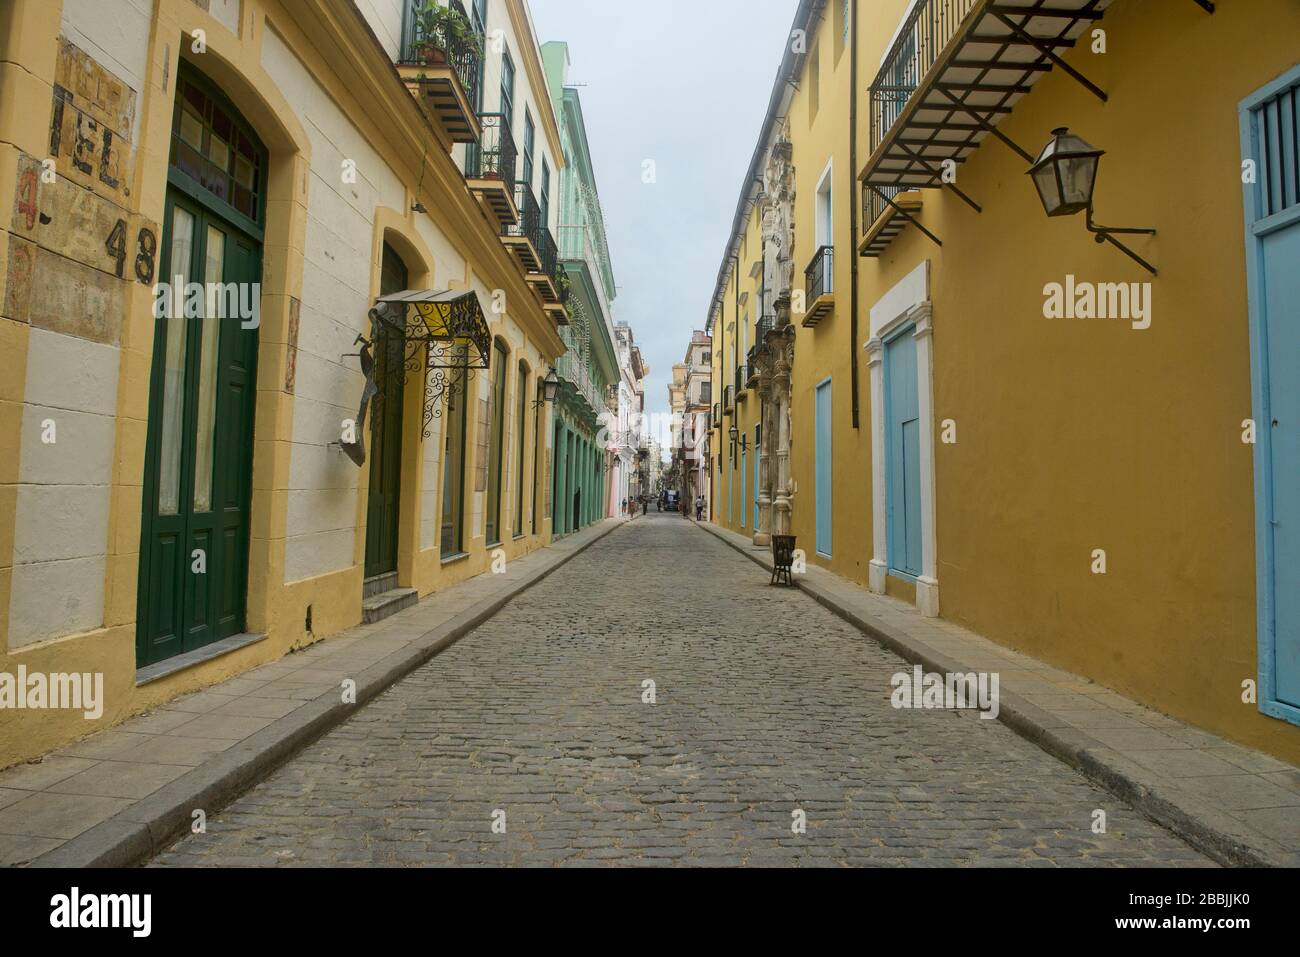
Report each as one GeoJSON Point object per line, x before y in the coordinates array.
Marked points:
{"type": "Point", "coordinates": [1271, 140]}
{"type": "Point", "coordinates": [903, 455]}
{"type": "Point", "coordinates": [731, 492]}
{"type": "Point", "coordinates": [758, 444]}
{"type": "Point", "coordinates": [823, 479]}
{"type": "Point", "coordinates": [744, 473]}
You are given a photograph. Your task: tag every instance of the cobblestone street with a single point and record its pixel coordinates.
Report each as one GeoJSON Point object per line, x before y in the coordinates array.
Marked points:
{"type": "Point", "coordinates": [766, 704]}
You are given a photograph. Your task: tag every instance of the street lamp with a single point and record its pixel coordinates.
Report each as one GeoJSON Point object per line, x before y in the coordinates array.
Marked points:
{"type": "Point", "coordinates": [550, 386]}
{"type": "Point", "coordinates": [1065, 175]}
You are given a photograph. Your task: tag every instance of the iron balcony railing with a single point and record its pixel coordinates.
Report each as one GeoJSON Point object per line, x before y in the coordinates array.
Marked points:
{"type": "Point", "coordinates": [717, 415]}
{"type": "Point", "coordinates": [547, 253]}
{"type": "Point", "coordinates": [570, 369]}
{"type": "Point", "coordinates": [742, 375]}
{"type": "Point", "coordinates": [751, 363]}
{"type": "Point", "coordinates": [495, 155]}
{"type": "Point", "coordinates": [530, 217]}
{"type": "Point", "coordinates": [873, 206]}
{"type": "Point", "coordinates": [427, 44]}
{"type": "Point", "coordinates": [927, 30]}
{"type": "Point", "coordinates": [728, 398]}
{"type": "Point", "coordinates": [820, 274]}
{"type": "Point", "coordinates": [765, 325]}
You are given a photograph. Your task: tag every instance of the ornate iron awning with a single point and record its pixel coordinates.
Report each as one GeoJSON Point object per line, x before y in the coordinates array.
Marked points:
{"type": "Point", "coordinates": [445, 336]}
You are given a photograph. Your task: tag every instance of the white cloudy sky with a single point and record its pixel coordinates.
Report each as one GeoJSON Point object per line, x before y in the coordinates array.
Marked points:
{"type": "Point", "coordinates": [684, 83]}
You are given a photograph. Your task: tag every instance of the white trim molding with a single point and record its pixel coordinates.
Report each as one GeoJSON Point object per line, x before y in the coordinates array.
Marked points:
{"type": "Point", "coordinates": [906, 304]}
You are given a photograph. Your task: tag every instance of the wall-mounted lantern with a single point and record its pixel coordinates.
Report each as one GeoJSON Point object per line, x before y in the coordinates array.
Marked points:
{"type": "Point", "coordinates": [550, 386]}
{"type": "Point", "coordinates": [1065, 175]}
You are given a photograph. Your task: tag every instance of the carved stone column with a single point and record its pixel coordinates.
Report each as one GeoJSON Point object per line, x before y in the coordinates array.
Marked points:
{"type": "Point", "coordinates": [783, 506]}
{"type": "Point", "coordinates": [763, 524]}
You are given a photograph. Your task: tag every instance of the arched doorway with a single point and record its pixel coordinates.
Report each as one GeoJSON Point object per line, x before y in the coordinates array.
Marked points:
{"type": "Point", "coordinates": [383, 505]}
{"type": "Point", "coordinates": [193, 580]}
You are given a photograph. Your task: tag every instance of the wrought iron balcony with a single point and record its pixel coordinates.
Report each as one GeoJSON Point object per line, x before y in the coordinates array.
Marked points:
{"type": "Point", "coordinates": [742, 378]}
{"type": "Point", "coordinates": [766, 324]}
{"type": "Point", "coordinates": [490, 166]}
{"type": "Point", "coordinates": [715, 420]}
{"type": "Point", "coordinates": [927, 30]}
{"type": "Point", "coordinates": [957, 68]}
{"type": "Point", "coordinates": [549, 279]}
{"type": "Point", "coordinates": [441, 61]}
{"type": "Point", "coordinates": [524, 236]}
{"type": "Point", "coordinates": [820, 286]}
{"type": "Point", "coordinates": [728, 398]}
{"type": "Point", "coordinates": [751, 367]}
{"type": "Point", "coordinates": [547, 253]}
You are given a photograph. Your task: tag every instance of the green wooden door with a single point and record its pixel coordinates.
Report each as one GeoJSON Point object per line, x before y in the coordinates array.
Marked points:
{"type": "Point", "coordinates": [199, 450]}
{"type": "Point", "coordinates": [383, 507]}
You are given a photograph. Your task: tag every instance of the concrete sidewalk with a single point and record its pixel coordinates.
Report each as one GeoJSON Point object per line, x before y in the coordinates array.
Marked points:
{"type": "Point", "coordinates": [1238, 806]}
{"type": "Point", "coordinates": [118, 796]}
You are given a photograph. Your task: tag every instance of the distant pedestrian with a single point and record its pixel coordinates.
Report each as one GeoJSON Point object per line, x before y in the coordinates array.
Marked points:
{"type": "Point", "coordinates": [699, 508]}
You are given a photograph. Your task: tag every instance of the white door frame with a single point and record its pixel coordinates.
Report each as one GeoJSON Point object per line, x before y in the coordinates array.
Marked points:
{"type": "Point", "coordinates": [908, 303]}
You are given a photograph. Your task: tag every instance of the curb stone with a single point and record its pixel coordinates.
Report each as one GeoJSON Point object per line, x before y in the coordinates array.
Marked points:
{"type": "Point", "coordinates": [1217, 835]}
{"type": "Point", "coordinates": [135, 834]}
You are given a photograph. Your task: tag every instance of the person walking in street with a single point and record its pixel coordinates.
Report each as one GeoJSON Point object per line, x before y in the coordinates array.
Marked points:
{"type": "Point", "coordinates": [699, 508]}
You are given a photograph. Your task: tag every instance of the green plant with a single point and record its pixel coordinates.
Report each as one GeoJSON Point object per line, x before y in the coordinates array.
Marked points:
{"type": "Point", "coordinates": [440, 29]}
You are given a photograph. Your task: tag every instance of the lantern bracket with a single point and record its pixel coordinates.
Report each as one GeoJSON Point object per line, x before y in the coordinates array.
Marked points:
{"type": "Point", "coordinates": [1104, 234]}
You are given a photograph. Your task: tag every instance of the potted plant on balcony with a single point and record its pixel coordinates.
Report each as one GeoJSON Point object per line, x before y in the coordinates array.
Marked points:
{"type": "Point", "coordinates": [563, 286]}
{"type": "Point", "coordinates": [440, 29]}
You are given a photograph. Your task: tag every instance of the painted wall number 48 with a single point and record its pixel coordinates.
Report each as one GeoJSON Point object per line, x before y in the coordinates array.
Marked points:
{"type": "Point", "coordinates": [146, 251]}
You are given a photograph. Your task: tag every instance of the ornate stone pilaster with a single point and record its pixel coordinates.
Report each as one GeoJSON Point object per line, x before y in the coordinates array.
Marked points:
{"type": "Point", "coordinates": [763, 525]}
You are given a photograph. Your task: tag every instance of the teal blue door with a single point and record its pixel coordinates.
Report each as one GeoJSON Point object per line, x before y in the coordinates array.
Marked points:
{"type": "Point", "coordinates": [758, 444]}
{"type": "Point", "coordinates": [1271, 139]}
{"type": "Point", "coordinates": [731, 491]}
{"type": "Point", "coordinates": [744, 472]}
{"type": "Point", "coordinates": [823, 476]}
{"type": "Point", "coordinates": [903, 455]}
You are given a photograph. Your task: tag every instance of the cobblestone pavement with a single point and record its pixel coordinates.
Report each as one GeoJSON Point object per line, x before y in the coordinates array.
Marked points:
{"type": "Point", "coordinates": [766, 704]}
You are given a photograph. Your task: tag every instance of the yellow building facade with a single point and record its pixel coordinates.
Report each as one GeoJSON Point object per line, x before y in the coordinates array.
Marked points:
{"type": "Point", "coordinates": [336, 182]}
{"type": "Point", "coordinates": [1092, 491]}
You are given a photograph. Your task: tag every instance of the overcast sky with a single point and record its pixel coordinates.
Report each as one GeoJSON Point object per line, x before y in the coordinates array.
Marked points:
{"type": "Point", "coordinates": [684, 83]}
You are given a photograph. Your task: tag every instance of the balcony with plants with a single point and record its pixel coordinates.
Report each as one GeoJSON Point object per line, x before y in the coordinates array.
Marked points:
{"type": "Point", "coordinates": [490, 167]}
{"type": "Point", "coordinates": [441, 63]}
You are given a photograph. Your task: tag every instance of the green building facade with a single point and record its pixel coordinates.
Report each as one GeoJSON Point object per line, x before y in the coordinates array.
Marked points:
{"type": "Point", "coordinates": [588, 371]}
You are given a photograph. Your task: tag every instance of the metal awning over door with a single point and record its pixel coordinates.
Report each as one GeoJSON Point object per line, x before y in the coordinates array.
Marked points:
{"type": "Point", "coordinates": [446, 337]}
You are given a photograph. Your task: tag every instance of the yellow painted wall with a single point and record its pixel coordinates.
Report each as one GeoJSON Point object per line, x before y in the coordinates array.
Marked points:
{"type": "Point", "coordinates": [1072, 435]}
{"type": "Point", "coordinates": [29, 42]}
{"type": "Point", "coordinates": [1076, 435]}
